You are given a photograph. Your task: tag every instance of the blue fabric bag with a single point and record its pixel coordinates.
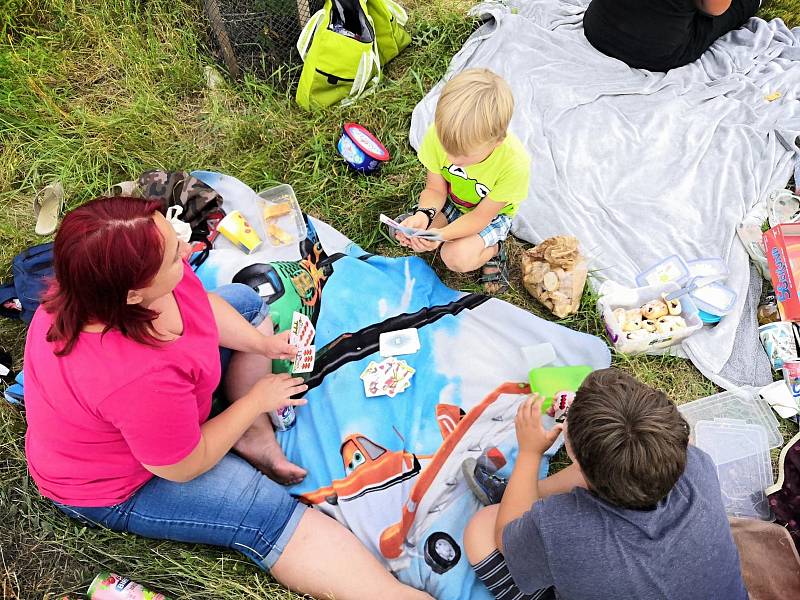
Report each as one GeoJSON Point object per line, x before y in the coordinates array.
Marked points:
{"type": "Point", "coordinates": [31, 271]}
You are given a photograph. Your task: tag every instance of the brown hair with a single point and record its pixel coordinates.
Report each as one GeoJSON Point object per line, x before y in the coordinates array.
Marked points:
{"type": "Point", "coordinates": [629, 439]}
{"type": "Point", "coordinates": [474, 110]}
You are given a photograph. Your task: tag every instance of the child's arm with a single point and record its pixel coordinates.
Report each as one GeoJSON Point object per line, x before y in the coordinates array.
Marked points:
{"type": "Point", "coordinates": [433, 196]}
{"type": "Point", "coordinates": [435, 192]}
{"type": "Point", "coordinates": [472, 222]}
{"type": "Point", "coordinates": [562, 482]}
{"type": "Point", "coordinates": [523, 486]}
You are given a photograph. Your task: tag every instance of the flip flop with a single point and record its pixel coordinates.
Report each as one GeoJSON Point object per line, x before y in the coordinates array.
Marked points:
{"type": "Point", "coordinates": [500, 276]}
{"type": "Point", "coordinates": [130, 189]}
{"type": "Point", "coordinates": [47, 206]}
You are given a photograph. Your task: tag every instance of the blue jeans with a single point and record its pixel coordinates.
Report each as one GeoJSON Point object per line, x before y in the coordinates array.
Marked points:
{"type": "Point", "coordinates": [232, 505]}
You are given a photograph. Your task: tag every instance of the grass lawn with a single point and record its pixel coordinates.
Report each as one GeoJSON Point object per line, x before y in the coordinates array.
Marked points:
{"type": "Point", "coordinates": [96, 92]}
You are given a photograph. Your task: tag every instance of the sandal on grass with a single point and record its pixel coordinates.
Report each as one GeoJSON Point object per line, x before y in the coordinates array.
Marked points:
{"type": "Point", "coordinates": [494, 274]}
{"type": "Point", "coordinates": [393, 231]}
{"type": "Point", "coordinates": [47, 206]}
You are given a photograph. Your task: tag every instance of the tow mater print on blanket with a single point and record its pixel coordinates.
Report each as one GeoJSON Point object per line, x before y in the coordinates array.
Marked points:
{"type": "Point", "coordinates": [390, 468]}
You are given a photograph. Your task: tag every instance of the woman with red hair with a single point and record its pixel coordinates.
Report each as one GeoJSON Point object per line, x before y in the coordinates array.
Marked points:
{"type": "Point", "coordinates": [121, 362]}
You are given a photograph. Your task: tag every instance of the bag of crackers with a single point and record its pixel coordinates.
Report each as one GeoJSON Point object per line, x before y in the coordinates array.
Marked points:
{"type": "Point", "coordinates": [554, 272]}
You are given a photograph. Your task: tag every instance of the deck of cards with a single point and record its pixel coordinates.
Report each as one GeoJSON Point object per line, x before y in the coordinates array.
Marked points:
{"type": "Point", "coordinates": [301, 334]}
{"type": "Point", "coordinates": [403, 341]}
{"type": "Point", "coordinates": [387, 378]}
{"type": "Point", "coordinates": [411, 231]}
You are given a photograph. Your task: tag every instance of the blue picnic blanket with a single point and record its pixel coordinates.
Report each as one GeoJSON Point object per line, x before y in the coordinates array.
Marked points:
{"type": "Point", "coordinates": [390, 468]}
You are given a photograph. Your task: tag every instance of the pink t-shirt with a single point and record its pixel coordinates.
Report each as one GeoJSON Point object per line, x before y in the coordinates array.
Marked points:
{"type": "Point", "coordinates": [112, 404]}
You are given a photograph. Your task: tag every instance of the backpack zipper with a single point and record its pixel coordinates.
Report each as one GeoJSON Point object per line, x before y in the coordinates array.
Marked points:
{"type": "Point", "coordinates": [333, 79]}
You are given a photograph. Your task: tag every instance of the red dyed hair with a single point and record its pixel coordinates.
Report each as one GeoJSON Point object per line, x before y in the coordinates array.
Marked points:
{"type": "Point", "coordinates": [102, 250]}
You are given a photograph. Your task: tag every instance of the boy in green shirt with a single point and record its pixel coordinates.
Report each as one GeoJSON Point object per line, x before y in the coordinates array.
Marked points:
{"type": "Point", "coordinates": [477, 177]}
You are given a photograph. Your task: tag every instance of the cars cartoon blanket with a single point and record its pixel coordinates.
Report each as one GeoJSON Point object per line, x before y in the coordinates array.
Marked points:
{"type": "Point", "coordinates": [389, 468]}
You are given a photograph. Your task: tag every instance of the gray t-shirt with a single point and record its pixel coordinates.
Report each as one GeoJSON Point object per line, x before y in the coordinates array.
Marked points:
{"type": "Point", "coordinates": [591, 550]}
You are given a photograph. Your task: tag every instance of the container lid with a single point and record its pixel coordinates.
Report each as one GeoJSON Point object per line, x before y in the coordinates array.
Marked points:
{"type": "Point", "coordinates": [741, 455]}
{"type": "Point", "coordinates": [708, 318]}
{"type": "Point", "coordinates": [714, 298]}
{"type": "Point", "coordinates": [672, 268]}
{"type": "Point", "coordinates": [744, 404]}
{"type": "Point", "coordinates": [367, 142]}
{"type": "Point", "coordinates": [706, 267]}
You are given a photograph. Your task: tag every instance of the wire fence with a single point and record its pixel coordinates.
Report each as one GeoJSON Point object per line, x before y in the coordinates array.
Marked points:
{"type": "Point", "coordinates": [258, 36]}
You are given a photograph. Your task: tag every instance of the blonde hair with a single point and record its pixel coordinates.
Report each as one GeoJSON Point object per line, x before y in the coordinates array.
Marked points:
{"type": "Point", "coordinates": [474, 110]}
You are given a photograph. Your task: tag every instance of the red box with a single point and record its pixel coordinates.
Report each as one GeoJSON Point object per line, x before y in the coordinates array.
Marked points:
{"type": "Point", "coordinates": [782, 246]}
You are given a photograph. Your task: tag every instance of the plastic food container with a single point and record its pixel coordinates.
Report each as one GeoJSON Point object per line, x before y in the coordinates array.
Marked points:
{"type": "Point", "coordinates": [672, 268]}
{"type": "Point", "coordinates": [708, 318]}
{"type": "Point", "coordinates": [282, 217]}
{"type": "Point", "coordinates": [741, 454]}
{"type": "Point", "coordinates": [715, 299]}
{"type": "Point", "coordinates": [361, 150]}
{"type": "Point", "coordinates": [707, 267]}
{"type": "Point", "coordinates": [744, 405]}
{"type": "Point", "coordinates": [635, 298]}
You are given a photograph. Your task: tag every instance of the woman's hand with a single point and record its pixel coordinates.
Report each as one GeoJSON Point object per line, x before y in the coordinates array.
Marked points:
{"type": "Point", "coordinates": [276, 391]}
{"type": "Point", "coordinates": [531, 434]}
{"type": "Point", "coordinates": [278, 347]}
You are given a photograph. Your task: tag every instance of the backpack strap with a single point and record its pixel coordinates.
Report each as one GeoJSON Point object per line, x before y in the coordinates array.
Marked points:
{"type": "Point", "coordinates": [400, 14]}
{"type": "Point", "coordinates": [304, 41]}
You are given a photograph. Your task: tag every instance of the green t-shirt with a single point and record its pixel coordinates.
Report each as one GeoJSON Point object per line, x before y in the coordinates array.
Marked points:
{"type": "Point", "coordinates": [503, 175]}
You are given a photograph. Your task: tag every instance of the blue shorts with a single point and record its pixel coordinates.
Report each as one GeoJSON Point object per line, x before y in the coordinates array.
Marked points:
{"type": "Point", "coordinates": [496, 231]}
{"type": "Point", "coordinates": [232, 505]}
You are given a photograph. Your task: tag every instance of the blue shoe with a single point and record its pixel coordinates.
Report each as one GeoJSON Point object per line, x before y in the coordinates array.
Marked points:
{"type": "Point", "coordinates": [14, 392]}
{"type": "Point", "coordinates": [487, 487]}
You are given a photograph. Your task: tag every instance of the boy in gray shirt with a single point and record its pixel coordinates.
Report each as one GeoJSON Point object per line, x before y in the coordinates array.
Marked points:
{"type": "Point", "coordinates": [638, 515]}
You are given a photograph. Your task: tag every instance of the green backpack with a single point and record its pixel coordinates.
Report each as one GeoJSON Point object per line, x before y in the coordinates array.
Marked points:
{"type": "Point", "coordinates": [343, 47]}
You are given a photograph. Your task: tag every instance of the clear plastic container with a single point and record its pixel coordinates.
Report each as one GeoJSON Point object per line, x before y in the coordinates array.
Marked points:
{"type": "Point", "coordinates": [282, 218]}
{"type": "Point", "coordinates": [672, 268]}
{"type": "Point", "coordinates": [707, 267]}
{"type": "Point", "coordinates": [715, 299]}
{"type": "Point", "coordinates": [741, 454]}
{"type": "Point", "coordinates": [635, 298]}
{"type": "Point", "coordinates": [744, 405]}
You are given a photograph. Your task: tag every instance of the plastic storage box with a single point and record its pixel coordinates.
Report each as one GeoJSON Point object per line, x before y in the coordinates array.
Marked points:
{"type": "Point", "coordinates": [672, 268]}
{"type": "Point", "coordinates": [744, 405]}
{"type": "Point", "coordinates": [282, 218]}
{"type": "Point", "coordinates": [741, 454]}
{"type": "Point", "coordinates": [635, 298]}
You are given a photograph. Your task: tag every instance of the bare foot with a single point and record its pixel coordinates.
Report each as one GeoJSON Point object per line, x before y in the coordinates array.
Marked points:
{"type": "Point", "coordinates": [259, 447]}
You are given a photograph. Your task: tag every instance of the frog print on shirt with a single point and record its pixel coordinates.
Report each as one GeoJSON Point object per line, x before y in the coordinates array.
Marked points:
{"type": "Point", "coordinates": [464, 192]}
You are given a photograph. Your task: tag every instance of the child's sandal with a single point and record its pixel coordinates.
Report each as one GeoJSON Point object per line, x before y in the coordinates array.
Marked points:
{"type": "Point", "coordinates": [392, 232]}
{"type": "Point", "coordinates": [494, 274]}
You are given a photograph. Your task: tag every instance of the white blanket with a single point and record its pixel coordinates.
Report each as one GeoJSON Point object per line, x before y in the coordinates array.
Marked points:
{"type": "Point", "coordinates": [641, 165]}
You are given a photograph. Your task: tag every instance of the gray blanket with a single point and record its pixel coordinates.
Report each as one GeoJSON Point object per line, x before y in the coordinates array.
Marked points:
{"type": "Point", "coordinates": [640, 165]}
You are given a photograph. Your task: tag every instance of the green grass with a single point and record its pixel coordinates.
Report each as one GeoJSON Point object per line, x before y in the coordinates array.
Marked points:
{"type": "Point", "coordinates": [96, 92]}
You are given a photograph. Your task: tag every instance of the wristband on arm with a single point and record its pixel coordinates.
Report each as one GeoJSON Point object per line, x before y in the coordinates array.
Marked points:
{"type": "Point", "coordinates": [428, 212]}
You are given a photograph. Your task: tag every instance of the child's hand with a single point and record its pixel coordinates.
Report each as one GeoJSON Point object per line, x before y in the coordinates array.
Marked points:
{"type": "Point", "coordinates": [531, 435]}
{"type": "Point", "coordinates": [278, 347]}
{"type": "Point", "coordinates": [415, 221]}
{"type": "Point", "coordinates": [423, 245]}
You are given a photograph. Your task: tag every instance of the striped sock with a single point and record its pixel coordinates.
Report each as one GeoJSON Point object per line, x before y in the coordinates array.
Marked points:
{"type": "Point", "coordinates": [494, 574]}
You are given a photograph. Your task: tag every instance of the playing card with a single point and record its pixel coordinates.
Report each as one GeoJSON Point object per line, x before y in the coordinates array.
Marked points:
{"type": "Point", "coordinates": [410, 231]}
{"type": "Point", "coordinates": [302, 331]}
{"type": "Point", "coordinates": [304, 361]}
{"type": "Point", "coordinates": [396, 343]}
{"type": "Point", "coordinates": [387, 378]}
